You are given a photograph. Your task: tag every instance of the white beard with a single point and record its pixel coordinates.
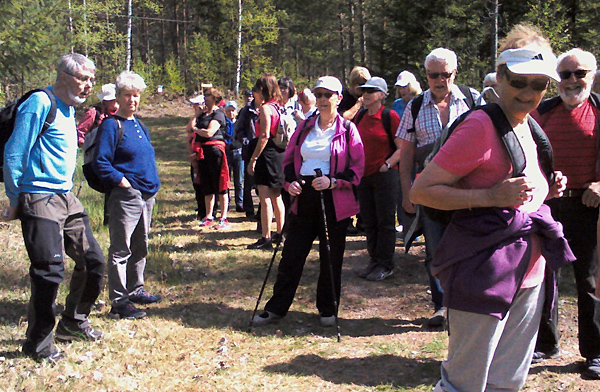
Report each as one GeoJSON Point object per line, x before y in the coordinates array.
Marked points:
{"type": "Point", "coordinates": [76, 98]}
{"type": "Point", "coordinates": [573, 99]}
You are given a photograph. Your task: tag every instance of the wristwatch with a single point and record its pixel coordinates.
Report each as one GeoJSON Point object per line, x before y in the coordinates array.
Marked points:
{"type": "Point", "coordinates": [333, 183]}
{"type": "Point", "coordinates": [387, 165]}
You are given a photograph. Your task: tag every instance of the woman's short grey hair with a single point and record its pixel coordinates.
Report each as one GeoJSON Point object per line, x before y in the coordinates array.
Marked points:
{"type": "Point", "coordinates": [130, 81]}
{"type": "Point", "coordinates": [72, 63]}
{"type": "Point", "coordinates": [442, 55]}
{"type": "Point", "coordinates": [585, 58]}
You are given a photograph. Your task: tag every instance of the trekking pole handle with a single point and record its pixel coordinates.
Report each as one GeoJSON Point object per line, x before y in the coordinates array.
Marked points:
{"type": "Point", "coordinates": [319, 172]}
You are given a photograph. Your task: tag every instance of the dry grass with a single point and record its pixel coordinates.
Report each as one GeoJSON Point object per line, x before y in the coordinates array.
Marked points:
{"type": "Point", "coordinates": [197, 339]}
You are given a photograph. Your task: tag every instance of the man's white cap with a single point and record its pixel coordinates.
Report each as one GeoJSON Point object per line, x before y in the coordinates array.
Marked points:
{"type": "Point", "coordinates": [531, 59]}
{"type": "Point", "coordinates": [405, 78]}
{"type": "Point", "coordinates": [198, 99]}
{"type": "Point", "coordinates": [330, 83]}
{"type": "Point", "coordinates": [108, 93]}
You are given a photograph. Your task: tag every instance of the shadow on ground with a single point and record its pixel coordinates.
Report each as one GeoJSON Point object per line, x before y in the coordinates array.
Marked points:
{"type": "Point", "coordinates": [369, 371]}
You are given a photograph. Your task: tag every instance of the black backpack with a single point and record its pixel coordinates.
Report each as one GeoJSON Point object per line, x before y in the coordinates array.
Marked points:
{"type": "Point", "coordinates": [417, 102]}
{"type": "Point", "coordinates": [385, 119]}
{"type": "Point", "coordinates": [551, 103]}
{"type": "Point", "coordinates": [89, 149]}
{"type": "Point", "coordinates": [8, 116]}
{"type": "Point", "coordinates": [510, 141]}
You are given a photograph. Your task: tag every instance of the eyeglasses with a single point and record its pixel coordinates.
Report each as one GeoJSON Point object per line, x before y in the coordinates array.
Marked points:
{"type": "Point", "coordinates": [370, 90]}
{"type": "Point", "coordinates": [579, 74]}
{"type": "Point", "coordinates": [535, 85]}
{"type": "Point", "coordinates": [326, 95]}
{"type": "Point", "coordinates": [83, 79]}
{"type": "Point", "coordinates": [436, 75]}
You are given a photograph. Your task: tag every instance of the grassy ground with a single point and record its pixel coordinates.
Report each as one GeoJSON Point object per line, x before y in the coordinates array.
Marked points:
{"type": "Point", "coordinates": [196, 339]}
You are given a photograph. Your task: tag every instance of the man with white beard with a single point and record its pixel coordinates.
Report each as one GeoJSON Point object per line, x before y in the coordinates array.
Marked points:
{"type": "Point", "coordinates": [571, 123]}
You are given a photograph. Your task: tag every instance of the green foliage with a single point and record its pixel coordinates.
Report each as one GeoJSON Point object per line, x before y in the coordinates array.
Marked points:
{"type": "Point", "coordinates": [174, 81]}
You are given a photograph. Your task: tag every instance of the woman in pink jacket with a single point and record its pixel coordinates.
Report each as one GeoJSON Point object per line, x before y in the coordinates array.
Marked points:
{"type": "Point", "coordinates": [333, 145]}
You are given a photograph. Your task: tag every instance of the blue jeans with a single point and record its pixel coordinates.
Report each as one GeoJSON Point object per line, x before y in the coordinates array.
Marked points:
{"type": "Point", "coordinates": [236, 165]}
{"type": "Point", "coordinates": [433, 232]}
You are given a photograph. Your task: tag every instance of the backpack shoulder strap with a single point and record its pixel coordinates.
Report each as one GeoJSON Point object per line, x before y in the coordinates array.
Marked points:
{"type": "Point", "coordinates": [548, 104]}
{"type": "Point", "coordinates": [595, 100]}
{"type": "Point", "coordinates": [508, 136]}
{"type": "Point", "coordinates": [544, 149]}
{"type": "Point", "coordinates": [386, 119]}
{"type": "Point", "coordinates": [468, 96]}
{"type": "Point", "coordinates": [415, 107]}
{"type": "Point", "coordinates": [359, 116]}
{"type": "Point", "coordinates": [121, 130]}
{"type": "Point", "coordinates": [51, 114]}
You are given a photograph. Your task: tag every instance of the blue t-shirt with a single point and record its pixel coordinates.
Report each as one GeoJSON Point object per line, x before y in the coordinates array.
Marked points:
{"type": "Point", "coordinates": [133, 158]}
{"type": "Point", "coordinates": [398, 106]}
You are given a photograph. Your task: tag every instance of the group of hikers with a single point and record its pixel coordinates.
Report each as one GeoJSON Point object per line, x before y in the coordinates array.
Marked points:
{"type": "Point", "coordinates": [503, 185]}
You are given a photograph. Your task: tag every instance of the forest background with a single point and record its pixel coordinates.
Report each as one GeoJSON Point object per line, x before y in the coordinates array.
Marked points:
{"type": "Point", "coordinates": [181, 44]}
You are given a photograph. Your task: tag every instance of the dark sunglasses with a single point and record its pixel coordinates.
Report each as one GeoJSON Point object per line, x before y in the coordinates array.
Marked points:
{"type": "Point", "coordinates": [370, 90]}
{"type": "Point", "coordinates": [436, 75]}
{"type": "Point", "coordinates": [326, 95]}
{"type": "Point", "coordinates": [536, 85]}
{"type": "Point", "coordinates": [579, 74]}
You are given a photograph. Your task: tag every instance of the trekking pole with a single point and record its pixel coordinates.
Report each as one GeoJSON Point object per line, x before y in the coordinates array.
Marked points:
{"type": "Point", "coordinates": [80, 186]}
{"type": "Point", "coordinates": [262, 289]}
{"type": "Point", "coordinates": [319, 173]}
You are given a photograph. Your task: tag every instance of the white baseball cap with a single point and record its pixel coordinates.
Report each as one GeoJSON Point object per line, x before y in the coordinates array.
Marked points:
{"type": "Point", "coordinates": [330, 83]}
{"type": "Point", "coordinates": [405, 78]}
{"type": "Point", "coordinates": [108, 93]}
{"type": "Point", "coordinates": [531, 59]}
{"type": "Point", "coordinates": [198, 99]}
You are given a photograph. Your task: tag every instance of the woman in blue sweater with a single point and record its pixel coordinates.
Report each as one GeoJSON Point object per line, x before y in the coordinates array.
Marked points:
{"type": "Point", "coordinates": [125, 161]}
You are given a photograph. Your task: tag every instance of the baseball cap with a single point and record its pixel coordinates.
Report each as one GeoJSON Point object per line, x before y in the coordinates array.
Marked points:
{"type": "Point", "coordinates": [330, 83]}
{"type": "Point", "coordinates": [377, 83]}
{"type": "Point", "coordinates": [197, 99]}
{"type": "Point", "coordinates": [405, 78]}
{"type": "Point", "coordinates": [531, 59]}
{"type": "Point", "coordinates": [233, 104]}
{"type": "Point", "coordinates": [108, 93]}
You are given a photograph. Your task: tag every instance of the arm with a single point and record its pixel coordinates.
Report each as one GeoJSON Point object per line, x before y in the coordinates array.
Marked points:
{"type": "Point", "coordinates": [407, 157]}
{"type": "Point", "coordinates": [29, 121]}
{"type": "Point", "coordinates": [263, 138]}
{"type": "Point", "coordinates": [351, 113]}
{"type": "Point", "coordinates": [434, 187]}
{"type": "Point", "coordinates": [213, 127]}
{"type": "Point", "coordinates": [559, 186]}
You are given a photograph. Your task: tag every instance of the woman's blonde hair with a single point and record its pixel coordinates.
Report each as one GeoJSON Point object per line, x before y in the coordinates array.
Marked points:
{"type": "Point", "coordinates": [521, 35]}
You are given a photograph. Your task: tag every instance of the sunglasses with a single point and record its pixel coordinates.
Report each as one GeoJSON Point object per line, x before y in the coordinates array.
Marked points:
{"type": "Point", "coordinates": [82, 79]}
{"type": "Point", "coordinates": [579, 74]}
{"type": "Point", "coordinates": [436, 75]}
{"type": "Point", "coordinates": [370, 90]}
{"type": "Point", "coordinates": [326, 95]}
{"type": "Point", "coordinates": [535, 85]}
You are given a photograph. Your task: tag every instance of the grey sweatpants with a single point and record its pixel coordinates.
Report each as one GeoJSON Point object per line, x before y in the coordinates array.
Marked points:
{"type": "Point", "coordinates": [488, 354]}
{"type": "Point", "coordinates": [129, 224]}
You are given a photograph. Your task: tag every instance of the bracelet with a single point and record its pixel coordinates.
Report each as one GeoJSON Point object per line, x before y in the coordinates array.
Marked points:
{"type": "Point", "coordinates": [332, 182]}
{"type": "Point", "coordinates": [387, 165]}
{"type": "Point", "coordinates": [253, 159]}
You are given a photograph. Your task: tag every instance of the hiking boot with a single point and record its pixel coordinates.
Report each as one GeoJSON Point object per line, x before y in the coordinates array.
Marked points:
{"type": "Point", "coordinates": [263, 243]}
{"type": "Point", "coordinates": [223, 224]}
{"type": "Point", "coordinates": [126, 311]}
{"type": "Point", "coordinates": [265, 318]}
{"type": "Point", "coordinates": [64, 334]}
{"type": "Point", "coordinates": [539, 356]}
{"type": "Point", "coordinates": [50, 353]}
{"type": "Point", "coordinates": [378, 273]}
{"type": "Point", "coordinates": [437, 318]}
{"type": "Point", "coordinates": [239, 208]}
{"type": "Point", "coordinates": [142, 297]}
{"type": "Point", "coordinates": [591, 369]}
{"type": "Point", "coordinates": [326, 320]}
{"type": "Point", "coordinates": [206, 222]}
{"type": "Point", "coordinates": [364, 272]}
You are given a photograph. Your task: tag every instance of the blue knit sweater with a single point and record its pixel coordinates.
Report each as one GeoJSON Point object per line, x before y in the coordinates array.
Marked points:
{"type": "Point", "coordinates": [133, 158]}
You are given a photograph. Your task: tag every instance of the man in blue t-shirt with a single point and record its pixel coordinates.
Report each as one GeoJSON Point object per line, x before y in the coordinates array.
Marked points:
{"type": "Point", "coordinates": [38, 176]}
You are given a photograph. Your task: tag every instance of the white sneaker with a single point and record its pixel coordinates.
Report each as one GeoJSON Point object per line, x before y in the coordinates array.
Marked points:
{"type": "Point", "coordinates": [265, 318]}
{"type": "Point", "coordinates": [399, 229]}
